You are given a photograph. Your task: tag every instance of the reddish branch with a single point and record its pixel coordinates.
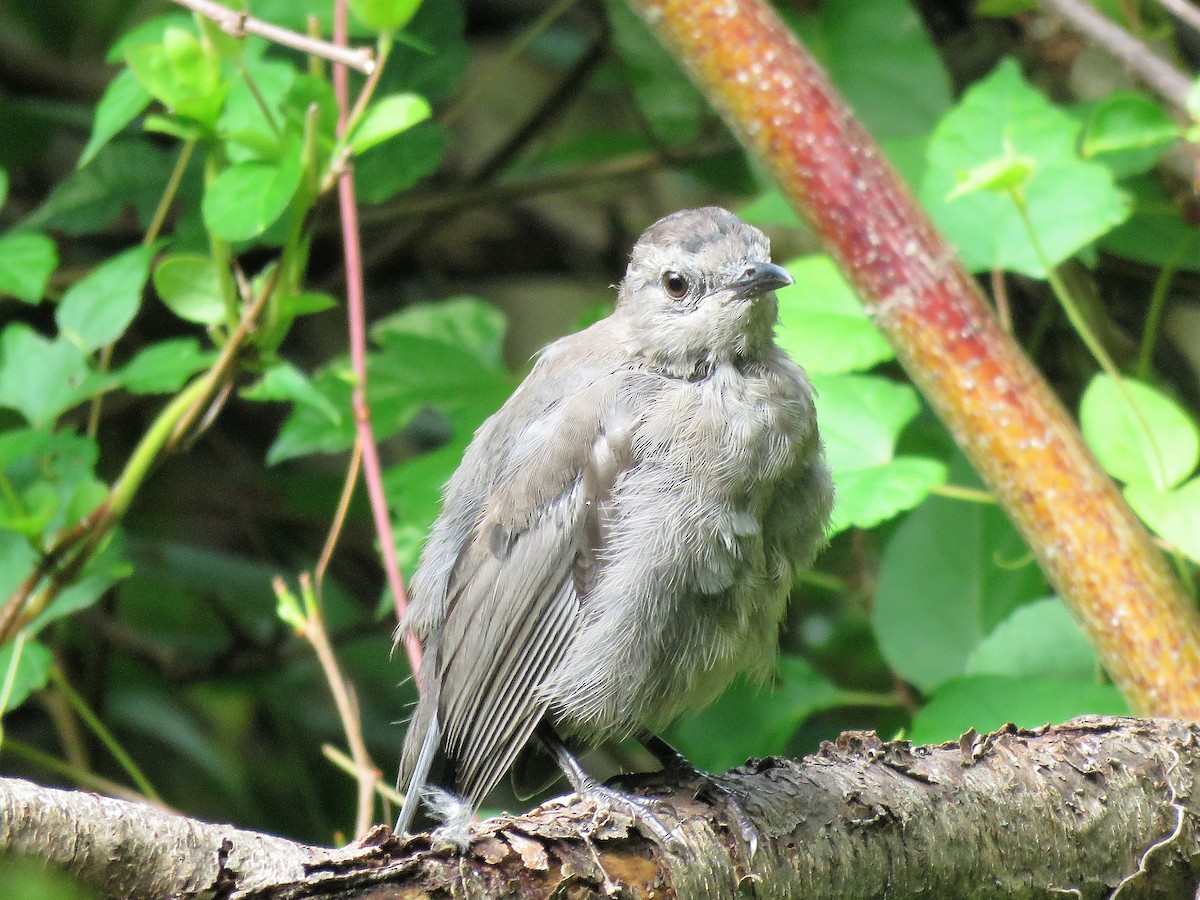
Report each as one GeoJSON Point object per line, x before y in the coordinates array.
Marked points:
{"type": "Point", "coordinates": [352, 248]}
{"type": "Point", "coordinates": [1002, 413]}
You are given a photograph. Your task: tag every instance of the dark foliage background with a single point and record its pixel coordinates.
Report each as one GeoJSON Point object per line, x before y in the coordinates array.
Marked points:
{"type": "Point", "coordinates": [490, 226]}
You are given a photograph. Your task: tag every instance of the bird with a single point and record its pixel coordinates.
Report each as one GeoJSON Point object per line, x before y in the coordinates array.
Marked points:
{"type": "Point", "coordinates": [620, 538]}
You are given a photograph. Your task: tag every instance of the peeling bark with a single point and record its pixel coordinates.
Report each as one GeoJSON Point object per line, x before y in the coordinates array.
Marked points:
{"type": "Point", "coordinates": [1099, 807]}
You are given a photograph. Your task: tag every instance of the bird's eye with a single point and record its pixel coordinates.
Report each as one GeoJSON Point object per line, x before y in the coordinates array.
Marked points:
{"type": "Point", "coordinates": [676, 285]}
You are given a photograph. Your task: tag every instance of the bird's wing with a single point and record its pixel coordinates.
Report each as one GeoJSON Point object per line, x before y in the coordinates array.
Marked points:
{"type": "Point", "coordinates": [514, 595]}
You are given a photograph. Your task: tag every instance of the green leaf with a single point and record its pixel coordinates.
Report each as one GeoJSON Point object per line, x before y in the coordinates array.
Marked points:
{"type": "Point", "coordinates": [123, 101]}
{"type": "Point", "coordinates": [27, 259]}
{"type": "Point", "coordinates": [387, 117]}
{"type": "Point", "coordinates": [1157, 233]}
{"type": "Point", "coordinates": [284, 382]}
{"type": "Point", "coordinates": [310, 428]}
{"type": "Point", "coordinates": [1039, 639]}
{"type": "Point", "coordinates": [149, 32]}
{"type": "Point", "coordinates": [1173, 515]}
{"type": "Point", "coordinates": [959, 565]}
{"type": "Point", "coordinates": [463, 322]}
{"type": "Point", "coordinates": [753, 719]}
{"type": "Point", "coordinates": [181, 74]}
{"type": "Point", "coordinates": [384, 15]}
{"type": "Point", "coordinates": [304, 92]}
{"type": "Point", "coordinates": [54, 477]}
{"type": "Point", "coordinates": [864, 498]}
{"type": "Point", "coordinates": [17, 560]}
{"type": "Point", "coordinates": [900, 86]}
{"type": "Point", "coordinates": [1069, 201]}
{"type": "Point", "coordinates": [41, 378]}
{"type": "Point", "coordinates": [247, 199]}
{"type": "Point", "coordinates": [105, 569]}
{"type": "Point", "coordinates": [1151, 443]}
{"type": "Point", "coordinates": [1128, 132]}
{"type": "Point", "coordinates": [401, 162]}
{"type": "Point", "coordinates": [97, 309]}
{"type": "Point", "coordinates": [986, 702]}
{"type": "Point", "coordinates": [1004, 8]}
{"type": "Point", "coordinates": [305, 304]}
{"type": "Point", "coordinates": [822, 323]}
{"type": "Point", "coordinates": [30, 672]}
{"type": "Point", "coordinates": [771, 208]}
{"type": "Point", "coordinates": [189, 286]}
{"type": "Point", "coordinates": [157, 720]}
{"type": "Point", "coordinates": [444, 357]}
{"type": "Point", "coordinates": [430, 55]}
{"type": "Point", "coordinates": [1000, 176]}
{"type": "Point", "coordinates": [183, 129]}
{"type": "Point", "coordinates": [29, 514]}
{"type": "Point", "coordinates": [247, 132]}
{"type": "Point", "coordinates": [164, 368]}
{"type": "Point", "coordinates": [414, 489]}
{"type": "Point", "coordinates": [861, 418]}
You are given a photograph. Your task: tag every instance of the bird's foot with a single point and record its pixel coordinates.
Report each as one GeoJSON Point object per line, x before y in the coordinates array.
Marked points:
{"type": "Point", "coordinates": [732, 800]}
{"type": "Point", "coordinates": [640, 809]}
{"type": "Point", "coordinates": [676, 765]}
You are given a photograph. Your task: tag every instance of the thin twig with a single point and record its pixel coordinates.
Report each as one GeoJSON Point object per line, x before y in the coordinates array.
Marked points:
{"type": "Point", "coordinates": [366, 773]}
{"type": "Point", "coordinates": [453, 199]}
{"type": "Point", "coordinates": [352, 249]}
{"type": "Point", "coordinates": [240, 24]}
{"type": "Point", "coordinates": [68, 729]}
{"type": "Point", "coordinates": [515, 49]}
{"type": "Point", "coordinates": [1184, 11]}
{"type": "Point", "coordinates": [1000, 296]}
{"type": "Point", "coordinates": [340, 760]}
{"type": "Point", "coordinates": [152, 231]}
{"type": "Point", "coordinates": [79, 776]}
{"type": "Point", "coordinates": [1158, 303]}
{"type": "Point", "coordinates": [551, 107]}
{"type": "Point", "coordinates": [74, 547]}
{"type": "Point", "coordinates": [1159, 74]}
{"type": "Point", "coordinates": [958, 492]}
{"type": "Point", "coordinates": [100, 730]}
{"type": "Point", "coordinates": [339, 517]}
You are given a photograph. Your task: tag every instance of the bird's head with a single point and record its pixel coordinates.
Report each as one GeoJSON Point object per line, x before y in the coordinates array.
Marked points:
{"type": "Point", "coordinates": [700, 290]}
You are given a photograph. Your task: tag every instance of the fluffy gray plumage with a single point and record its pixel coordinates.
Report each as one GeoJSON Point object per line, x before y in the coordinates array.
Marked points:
{"type": "Point", "coordinates": [620, 538]}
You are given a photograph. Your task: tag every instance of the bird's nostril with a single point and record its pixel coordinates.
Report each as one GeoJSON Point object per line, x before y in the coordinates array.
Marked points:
{"type": "Point", "coordinates": [751, 272]}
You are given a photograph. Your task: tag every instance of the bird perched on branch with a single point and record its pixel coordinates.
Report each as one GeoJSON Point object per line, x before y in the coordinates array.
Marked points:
{"type": "Point", "coordinates": [620, 538]}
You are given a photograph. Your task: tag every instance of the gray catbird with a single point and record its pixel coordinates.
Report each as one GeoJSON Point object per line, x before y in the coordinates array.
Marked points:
{"type": "Point", "coordinates": [620, 538]}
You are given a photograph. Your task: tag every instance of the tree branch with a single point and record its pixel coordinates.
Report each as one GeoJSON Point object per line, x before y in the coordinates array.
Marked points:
{"type": "Point", "coordinates": [1083, 809]}
{"type": "Point", "coordinates": [1184, 11]}
{"type": "Point", "coordinates": [240, 24]}
{"type": "Point", "coordinates": [1163, 77]}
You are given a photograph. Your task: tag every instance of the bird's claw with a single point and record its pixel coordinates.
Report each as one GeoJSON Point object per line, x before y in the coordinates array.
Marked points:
{"type": "Point", "coordinates": [642, 811]}
{"type": "Point", "coordinates": [718, 790]}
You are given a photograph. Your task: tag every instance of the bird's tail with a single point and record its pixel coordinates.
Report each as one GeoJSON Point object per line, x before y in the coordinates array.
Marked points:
{"type": "Point", "coordinates": [419, 774]}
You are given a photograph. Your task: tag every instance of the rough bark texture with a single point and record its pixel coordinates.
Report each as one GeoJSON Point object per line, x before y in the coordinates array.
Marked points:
{"type": "Point", "coordinates": [999, 409]}
{"type": "Point", "coordinates": [1099, 807]}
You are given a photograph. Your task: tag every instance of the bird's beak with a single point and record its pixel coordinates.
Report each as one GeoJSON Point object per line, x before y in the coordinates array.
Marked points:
{"type": "Point", "coordinates": [760, 277]}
